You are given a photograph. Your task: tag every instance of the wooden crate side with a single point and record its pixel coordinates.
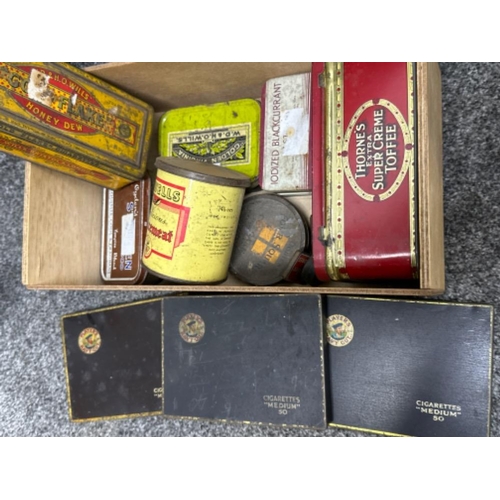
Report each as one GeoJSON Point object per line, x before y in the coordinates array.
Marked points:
{"type": "Point", "coordinates": [180, 84]}
{"type": "Point", "coordinates": [430, 147]}
{"type": "Point", "coordinates": [62, 229]}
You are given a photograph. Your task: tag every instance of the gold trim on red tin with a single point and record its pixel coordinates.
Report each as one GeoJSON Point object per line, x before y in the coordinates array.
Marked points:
{"type": "Point", "coordinates": [337, 167]}
{"type": "Point", "coordinates": [334, 176]}
{"type": "Point", "coordinates": [411, 78]}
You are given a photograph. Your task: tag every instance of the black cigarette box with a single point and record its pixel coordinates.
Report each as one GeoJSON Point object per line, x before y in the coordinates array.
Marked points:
{"type": "Point", "coordinates": [253, 359]}
{"type": "Point", "coordinates": [408, 368]}
{"type": "Point", "coordinates": [113, 361]}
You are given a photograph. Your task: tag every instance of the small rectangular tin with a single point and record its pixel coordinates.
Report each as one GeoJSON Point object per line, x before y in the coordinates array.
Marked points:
{"type": "Point", "coordinates": [225, 134]}
{"type": "Point", "coordinates": [64, 118]}
{"type": "Point", "coordinates": [125, 214]}
{"type": "Point", "coordinates": [364, 171]}
{"type": "Point", "coordinates": [285, 134]}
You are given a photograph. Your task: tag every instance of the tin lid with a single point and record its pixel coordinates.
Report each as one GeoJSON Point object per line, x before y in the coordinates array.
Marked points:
{"type": "Point", "coordinates": [204, 172]}
{"type": "Point", "coordinates": [271, 237]}
{"type": "Point", "coordinates": [225, 133]}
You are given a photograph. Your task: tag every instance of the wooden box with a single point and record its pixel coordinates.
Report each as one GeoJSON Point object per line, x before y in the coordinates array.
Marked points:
{"type": "Point", "coordinates": [62, 219]}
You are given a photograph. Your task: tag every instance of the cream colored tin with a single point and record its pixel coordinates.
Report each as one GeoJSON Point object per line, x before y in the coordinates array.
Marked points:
{"type": "Point", "coordinates": [284, 164]}
{"type": "Point", "coordinates": [193, 221]}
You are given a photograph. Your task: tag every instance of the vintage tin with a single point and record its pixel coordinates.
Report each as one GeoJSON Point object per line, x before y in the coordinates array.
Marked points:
{"type": "Point", "coordinates": [271, 241]}
{"type": "Point", "coordinates": [61, 117]}
{"type": "Point", "coordinates": [253, 359]}
{"type": "Point", "coordinates": [193, 221]}
{"type": "Point", "coordinates": [112, 359]}
{"type": "Point", "coordinates": [398, 367]}
{"type": "Point", "coordinates": [199, 357]}
{"type": "Point", "coordinates": [364, 171]}
{"type": "Point", "coordinates": [125, 215]}
{"type": "Point", "coordinates": [225, 134]}
{"type": "Point", "coordinates": [285, 134]}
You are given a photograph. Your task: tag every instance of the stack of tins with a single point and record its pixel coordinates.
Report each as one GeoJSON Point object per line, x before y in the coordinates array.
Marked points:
{"type": "Point", "coordinates": [209, 156]}
{"type": "Point", "coordinates": [345, 135]}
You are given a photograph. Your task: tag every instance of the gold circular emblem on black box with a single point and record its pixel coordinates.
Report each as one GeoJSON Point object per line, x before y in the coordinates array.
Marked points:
{"type": "Point", "coordinates": [192, 328]}
{"type": "Point", "coordinates": [339, 330]}
{"type": "Point", "coordinates": [89, 340]}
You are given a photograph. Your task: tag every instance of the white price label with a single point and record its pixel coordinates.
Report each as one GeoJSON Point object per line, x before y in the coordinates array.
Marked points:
{"type": "Point", "coordinates": [128, 235]}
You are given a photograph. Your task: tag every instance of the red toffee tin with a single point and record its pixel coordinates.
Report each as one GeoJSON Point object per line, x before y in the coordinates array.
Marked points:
{"type": "Point", "coordinates": [364, 171]}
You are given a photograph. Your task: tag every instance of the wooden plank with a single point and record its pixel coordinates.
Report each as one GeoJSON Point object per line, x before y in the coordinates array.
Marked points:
{"type": "Point", "coordinates": [334, 289]}
{"type": "Point", "coordinates": [431, 218]}
{"type": "Point", "coordinates": [178, 84]}
{"type": "Point", "coordinates": [61, 242]}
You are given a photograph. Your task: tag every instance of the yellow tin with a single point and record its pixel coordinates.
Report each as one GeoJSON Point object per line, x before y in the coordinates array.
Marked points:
{"type": "Point", "coordinates": [64, 118]}
{"type": "Point", "coordinates": [225, 134]}
{"type": "Point", "coordinates": [193, 221]}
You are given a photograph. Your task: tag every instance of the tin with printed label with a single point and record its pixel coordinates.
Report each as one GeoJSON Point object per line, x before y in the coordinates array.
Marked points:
{"type": "Point", "coordinates": [225, 134]}
{"type": "Point", "coordinates": [364, 152]}
{"type": "Point", "coordinates": [285, 134]}
{"type": "Point", "coordinates": [271, 242]}
{"type": "Point", "coordinates": [193, 220]}
{"type": "Point", "coordinates": [66, 119]}
{"type": "Point", "coordinates": [125, 214]}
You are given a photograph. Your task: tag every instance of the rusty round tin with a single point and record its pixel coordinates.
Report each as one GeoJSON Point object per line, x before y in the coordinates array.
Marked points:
{"type": "Point", "coordinates": [270, 241]}
{"type": "Point", "coordinates": [193, 220]}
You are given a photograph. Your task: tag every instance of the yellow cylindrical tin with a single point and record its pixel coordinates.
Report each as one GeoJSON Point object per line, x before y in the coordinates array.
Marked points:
{"type": "Point", "coordinates": [193, 221]}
